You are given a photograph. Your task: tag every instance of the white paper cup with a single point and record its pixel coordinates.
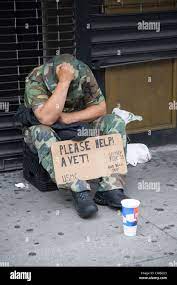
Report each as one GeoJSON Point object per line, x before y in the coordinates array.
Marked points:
{"type": "Point", "coordinates": [130, 209]}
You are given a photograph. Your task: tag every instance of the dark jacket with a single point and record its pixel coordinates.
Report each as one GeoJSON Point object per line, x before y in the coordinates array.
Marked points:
{"type": "Point", "coordinates": [26, 118]}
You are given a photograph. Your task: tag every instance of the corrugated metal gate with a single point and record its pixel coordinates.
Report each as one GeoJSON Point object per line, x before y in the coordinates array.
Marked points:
{"type": "Point", "coordinates": [112, 30]}
{"type": "Point", "coordinates": [30, 32]}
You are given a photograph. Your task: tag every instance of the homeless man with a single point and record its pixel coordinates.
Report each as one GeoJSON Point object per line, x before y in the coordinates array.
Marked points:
{"type": "Point", "coordinates": [64, 91]}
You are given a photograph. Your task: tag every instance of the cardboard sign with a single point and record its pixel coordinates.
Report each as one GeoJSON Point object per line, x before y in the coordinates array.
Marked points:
{"type": "Point", "coordinates": [89, 159]}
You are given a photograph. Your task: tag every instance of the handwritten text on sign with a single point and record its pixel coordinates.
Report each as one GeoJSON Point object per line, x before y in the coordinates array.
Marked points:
{"type": "Point", "coordinates": [89, 159]}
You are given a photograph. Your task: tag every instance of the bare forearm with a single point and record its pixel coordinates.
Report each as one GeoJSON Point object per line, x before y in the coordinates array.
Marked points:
{"type": "Point", "coordinates": [52, 109]}
{"type": "Point", "coordinates": [87, 115]}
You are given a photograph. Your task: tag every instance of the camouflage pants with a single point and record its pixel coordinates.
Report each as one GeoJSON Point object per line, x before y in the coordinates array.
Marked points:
{"type": "Point", "coordinates": [41, 137]}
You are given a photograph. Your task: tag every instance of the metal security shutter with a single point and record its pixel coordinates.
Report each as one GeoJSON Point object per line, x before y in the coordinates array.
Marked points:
{"type": "Point", "coordinates": [31, 31]}
{"type": "Point", "coordinates": [59, 28]}
{"type": "Point", "coordinates": [114, 39]}
{"type": "Point", "coordinates": [20, 51]}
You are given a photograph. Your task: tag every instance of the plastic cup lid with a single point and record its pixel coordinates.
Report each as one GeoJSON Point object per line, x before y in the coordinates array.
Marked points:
{"type": "Point", "coordinates": [130, 203]}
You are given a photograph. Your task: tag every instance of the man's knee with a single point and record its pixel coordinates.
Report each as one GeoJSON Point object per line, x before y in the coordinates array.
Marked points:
{"type": "Point", "coordinates": [42, 138]}
{"type": "Point", "coordinates": [42, 132]}
{"type": "Point", "coordinates": [41, 128]}
{"type": "Point", "coordinates": [115, 123]}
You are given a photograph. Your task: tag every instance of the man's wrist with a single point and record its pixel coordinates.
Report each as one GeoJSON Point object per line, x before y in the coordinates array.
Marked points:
{"type": "Point", "coordinates": [64, 84]}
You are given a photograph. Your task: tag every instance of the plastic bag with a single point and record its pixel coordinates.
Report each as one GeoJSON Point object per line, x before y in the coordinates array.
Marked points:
{"type": "Point", "coordinates": [137, 153]}
{"type": "Point", "coordinates": [126, 116]}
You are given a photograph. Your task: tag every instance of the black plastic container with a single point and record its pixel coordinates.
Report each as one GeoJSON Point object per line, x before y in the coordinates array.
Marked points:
{"type": "Point", "coordinates": [34, 173]}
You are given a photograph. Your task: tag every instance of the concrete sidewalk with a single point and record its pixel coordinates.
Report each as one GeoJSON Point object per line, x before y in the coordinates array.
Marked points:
{"type": "Point", "coordinates": [43, 229]}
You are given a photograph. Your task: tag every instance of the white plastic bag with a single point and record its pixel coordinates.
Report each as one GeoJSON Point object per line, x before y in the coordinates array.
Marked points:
{"type": "Point", "coordinates": [137, 153]}
{"type": "Point", "coordinates": [126, 116]}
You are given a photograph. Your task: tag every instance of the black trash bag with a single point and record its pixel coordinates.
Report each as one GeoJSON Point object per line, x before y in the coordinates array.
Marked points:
{"type": "Point", "coordinates": [75, 131]}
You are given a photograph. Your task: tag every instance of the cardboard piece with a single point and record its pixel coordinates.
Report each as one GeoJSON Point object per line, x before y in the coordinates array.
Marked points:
{"type": "Point", "coordinates": [89, 159]}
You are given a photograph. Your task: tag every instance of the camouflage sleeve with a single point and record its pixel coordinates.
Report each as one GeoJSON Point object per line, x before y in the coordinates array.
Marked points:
{"type": "Point", "coordinates": [92, 93]}
{"type": "Point", "coordinates": [36, 93]}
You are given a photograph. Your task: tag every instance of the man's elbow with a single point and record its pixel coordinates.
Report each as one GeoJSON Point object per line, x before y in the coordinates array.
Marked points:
{"type": "Point", "coordinates": [103, 109]}
{"type": "Point", "coordinates": [104, 112]}
{"type": "Point", "coordinates": [44, 119]}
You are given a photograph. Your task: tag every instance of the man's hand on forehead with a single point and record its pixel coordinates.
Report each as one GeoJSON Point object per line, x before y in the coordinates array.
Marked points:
{"type": "Point", "coordinates": [65, 72]}
{"type": "Point", "coordinates": [48, 114]}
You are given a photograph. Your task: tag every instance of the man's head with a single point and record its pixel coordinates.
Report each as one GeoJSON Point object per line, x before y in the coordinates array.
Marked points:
{"type": "Point", "coordinates": [51, 69]}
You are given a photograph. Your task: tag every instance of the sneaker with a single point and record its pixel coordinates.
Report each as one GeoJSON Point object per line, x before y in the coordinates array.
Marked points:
{"type": "Point", "coordinates": [110, 198]}
{"type": "Point", "coordinates": [84, 204]}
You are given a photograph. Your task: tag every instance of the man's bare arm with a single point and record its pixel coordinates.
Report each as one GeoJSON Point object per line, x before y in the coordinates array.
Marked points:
{"type": "Point", "coordinates": [49, 113]}
{"type": "Point", "coordinates": [91, 113]}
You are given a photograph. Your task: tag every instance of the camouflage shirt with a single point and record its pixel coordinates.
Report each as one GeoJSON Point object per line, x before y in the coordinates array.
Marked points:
{"type": "Point", "coordinates": [42, 81]}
